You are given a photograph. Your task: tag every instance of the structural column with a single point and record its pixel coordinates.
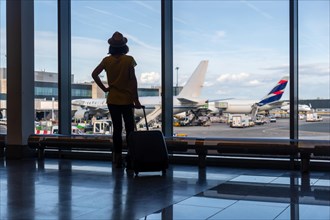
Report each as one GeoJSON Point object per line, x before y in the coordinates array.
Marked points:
{"type": "Point", "coordinates": [20, 77]}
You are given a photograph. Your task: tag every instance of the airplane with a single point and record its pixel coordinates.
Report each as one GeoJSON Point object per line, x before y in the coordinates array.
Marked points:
{"type": "Point", "coordinates": [187, 99]}
{"type": "Point", "coordinates": [268, 102]}
{"type": "Point", "coordinates": [301, 108]}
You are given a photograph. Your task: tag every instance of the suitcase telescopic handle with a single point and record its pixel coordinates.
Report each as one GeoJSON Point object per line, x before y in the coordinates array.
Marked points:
{"type": "Point", "coordinates": [145, 116]}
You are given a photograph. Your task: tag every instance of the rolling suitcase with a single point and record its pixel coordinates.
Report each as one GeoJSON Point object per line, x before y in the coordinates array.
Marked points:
{"type": "Point", "coordinates": [147, 150]}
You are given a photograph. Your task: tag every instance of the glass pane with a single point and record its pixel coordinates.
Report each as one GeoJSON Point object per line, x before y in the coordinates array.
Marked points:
{"type": "Point", "coordinates": [93, 23]}
{"type": "Point", "coordinates": [3, 69]}
{"type": "Point", "coordinates": [314, 74]}
{"type": "Point", "coordinates": [46, 67]}
{"type": "Point", "coordinates": [246, 44]}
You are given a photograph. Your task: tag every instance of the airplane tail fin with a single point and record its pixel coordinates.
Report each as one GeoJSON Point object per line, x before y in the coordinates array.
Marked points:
{"type": "Point", "coordinates": [195, 83]}
{"type": "Point", "coordinates": [276, 93]}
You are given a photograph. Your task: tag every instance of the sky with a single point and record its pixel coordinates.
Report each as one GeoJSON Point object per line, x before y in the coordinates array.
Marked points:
{"type": "Point", "coordinates": [246, 42]}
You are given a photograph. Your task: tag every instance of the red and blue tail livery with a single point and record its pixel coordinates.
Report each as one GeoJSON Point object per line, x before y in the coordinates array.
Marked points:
{"type": "Point", "coordinates": [276, 93]}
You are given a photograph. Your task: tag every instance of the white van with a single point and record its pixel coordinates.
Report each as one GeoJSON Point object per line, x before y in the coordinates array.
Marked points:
{"type": "Point", "coordinates": [102, 127]}
{"type": "Point", "coordinates": [311, 117]}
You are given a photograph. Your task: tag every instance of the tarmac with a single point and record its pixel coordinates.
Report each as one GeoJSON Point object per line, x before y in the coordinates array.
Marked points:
{"type": "Point", "coordinates": [279, 129]}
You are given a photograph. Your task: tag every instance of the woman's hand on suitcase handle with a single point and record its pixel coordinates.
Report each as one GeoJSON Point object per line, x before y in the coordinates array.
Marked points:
{"type": "Point", "coordinates": [138, 105]}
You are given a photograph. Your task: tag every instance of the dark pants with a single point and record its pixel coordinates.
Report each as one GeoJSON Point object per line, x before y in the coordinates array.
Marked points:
{"type": "Point", "coordinates": [119, 112]}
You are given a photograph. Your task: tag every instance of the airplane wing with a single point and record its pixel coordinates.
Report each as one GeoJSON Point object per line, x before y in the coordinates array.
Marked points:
{"type": "Point", "coordinates": [218, 100]}
{"type": "Point", "coordinates": [278, 103]}
{"type": "Point", "coordinates": [95, 109]}
{"type": "Point", "coordinates": [187, 101]}
{"type": "Point", "coordinates": [102, 110]}
{"type": "Point", "coordinates": [83, 112]}
{"type": "Point", "coordinates": [79, 103]}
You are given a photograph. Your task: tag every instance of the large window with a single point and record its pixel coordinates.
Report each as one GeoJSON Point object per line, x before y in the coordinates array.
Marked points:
{"type": "Point", "coordinates": [94, 22]}
{"type": "Point", "coordinates": [314, 73]}
{"type": "Point", "coordinates": [247, 46]}
{"type": "Point", "coordinates": [243, 46]}
{"type": "Point", "coordinates": [46, 65]}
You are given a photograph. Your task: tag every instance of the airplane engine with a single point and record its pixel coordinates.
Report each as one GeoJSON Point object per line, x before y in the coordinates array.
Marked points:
{"type": "Point", "coordinates": [82, 114]}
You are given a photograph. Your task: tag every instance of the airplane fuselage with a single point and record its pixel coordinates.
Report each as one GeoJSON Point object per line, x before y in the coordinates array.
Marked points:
{"type": "Point", "coordinates": [150, 103]}
{"type": "Point", "coordinates": [237, 106]}
{"type": "Point", "coordinates": [178, 107]}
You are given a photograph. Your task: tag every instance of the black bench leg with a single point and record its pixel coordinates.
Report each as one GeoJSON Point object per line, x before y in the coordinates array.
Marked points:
{"type": "Point", "coordinates": [201, 151]}
{"type": "Point", "coordinates": [41, 153]}
{"type": "Point", "coordinates": [202, 161]}
{"type": "Point", "coordinates": [305, 162]}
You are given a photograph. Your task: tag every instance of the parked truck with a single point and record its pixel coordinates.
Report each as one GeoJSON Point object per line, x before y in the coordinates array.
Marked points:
{"type": "Point", "coordinates": [312, 117]}
{"type": "Point", "coordinates": [239, 121]}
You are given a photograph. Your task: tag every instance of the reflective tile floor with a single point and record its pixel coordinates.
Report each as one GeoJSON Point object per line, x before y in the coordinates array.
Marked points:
{"type": "Point", "coordinates": [74, 189]}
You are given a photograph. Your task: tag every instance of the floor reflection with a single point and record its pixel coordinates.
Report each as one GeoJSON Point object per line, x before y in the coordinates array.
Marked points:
{"type": "Point", "coordinates": [294, 197]}
{"type": "Point", "coordinates": [73, 189]}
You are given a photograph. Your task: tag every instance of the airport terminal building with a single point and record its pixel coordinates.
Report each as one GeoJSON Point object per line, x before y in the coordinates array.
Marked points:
{"type": "Point", "coordinates": [46, 90]}
{"type": "Point", "coordinates": [46, 87]}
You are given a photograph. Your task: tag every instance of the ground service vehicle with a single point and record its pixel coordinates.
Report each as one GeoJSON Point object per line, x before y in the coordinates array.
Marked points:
{"type": "Point", "coordinates": [240, 121]}
{"type": "Point", "coordinates": [102, 127]}
{"type": "Point", "coordinates": [312, 117]}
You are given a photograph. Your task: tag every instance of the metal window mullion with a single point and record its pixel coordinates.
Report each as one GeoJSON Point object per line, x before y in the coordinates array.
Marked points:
{"type": "Point", "coordinates": [64, 66]}
{"type": "Point", "coordinates": [294, 69]}
{"type": "Point", "coordinates": [167, 66]}
{"type": "Point", "coordinates": [294, 200]}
